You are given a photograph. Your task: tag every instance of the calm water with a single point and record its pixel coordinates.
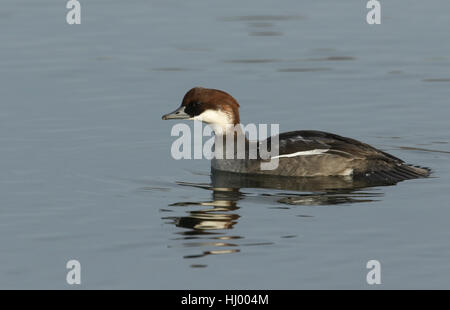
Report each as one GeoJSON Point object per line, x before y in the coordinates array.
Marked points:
{"type": "Point", "coordinates": [85, 165]}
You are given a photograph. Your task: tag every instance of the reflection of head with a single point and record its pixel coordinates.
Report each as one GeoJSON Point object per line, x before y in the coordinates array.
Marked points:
{"type": "Point", "coordinates": [217, 217]}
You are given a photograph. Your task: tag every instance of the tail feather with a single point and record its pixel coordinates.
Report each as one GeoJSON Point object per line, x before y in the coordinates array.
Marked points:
{"type": "Point", "coordinates": [399, 173]}
{"type": "Point", "coordinates": [415, 171]}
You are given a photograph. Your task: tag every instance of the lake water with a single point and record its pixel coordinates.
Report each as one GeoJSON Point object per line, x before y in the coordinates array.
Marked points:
{"type": "Point", "coordinates": [85, 165]}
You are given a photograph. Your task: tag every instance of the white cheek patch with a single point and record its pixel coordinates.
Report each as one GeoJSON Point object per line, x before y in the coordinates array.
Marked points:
{"type": "Point", "coordinates": [215, 117]}
{"type": "Point", "coordinates": [303, 153]}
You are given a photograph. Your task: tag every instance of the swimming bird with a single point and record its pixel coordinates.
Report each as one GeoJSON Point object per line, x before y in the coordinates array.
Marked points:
{"type": "Point", "coordinates": [302, 153]}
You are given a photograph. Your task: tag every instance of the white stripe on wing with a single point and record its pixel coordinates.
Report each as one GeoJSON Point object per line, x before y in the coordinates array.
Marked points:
{"type": "Point", "coordinates": [302, 153]}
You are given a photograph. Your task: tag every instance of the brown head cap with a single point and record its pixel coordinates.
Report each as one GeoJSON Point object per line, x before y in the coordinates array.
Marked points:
{"type": "Point", "coordinates": [199, 99]}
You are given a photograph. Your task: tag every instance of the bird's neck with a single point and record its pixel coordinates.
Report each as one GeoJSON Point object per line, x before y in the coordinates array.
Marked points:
{"type": "Point", "coordinates": [230, 140]}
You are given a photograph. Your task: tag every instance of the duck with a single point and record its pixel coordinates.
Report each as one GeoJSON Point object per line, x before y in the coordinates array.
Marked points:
{"type": "Point", "coordinates": [301, 153]}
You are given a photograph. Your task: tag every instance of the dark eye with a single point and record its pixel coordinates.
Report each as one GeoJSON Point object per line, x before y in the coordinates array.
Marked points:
{"type": "Point", "coordinates": [193, 108]}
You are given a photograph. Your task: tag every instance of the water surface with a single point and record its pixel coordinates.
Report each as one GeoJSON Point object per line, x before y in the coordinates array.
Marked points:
{"type": "Point", "coordinates": [86, 171]}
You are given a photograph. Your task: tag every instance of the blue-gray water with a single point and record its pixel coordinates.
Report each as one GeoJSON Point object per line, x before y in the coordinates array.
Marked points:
{"type": "Point", "coordinates": [85, 165]}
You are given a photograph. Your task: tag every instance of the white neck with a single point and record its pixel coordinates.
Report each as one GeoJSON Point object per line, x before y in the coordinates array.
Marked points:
{"type": "Point", "coordinates": [220, 121]}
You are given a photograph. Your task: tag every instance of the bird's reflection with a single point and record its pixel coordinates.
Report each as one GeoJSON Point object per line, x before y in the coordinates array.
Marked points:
{"type": "Point", "coordinates": [203, 228]}
{"type": "Point", "coordinates": [217, 214]}
{"type": "Point", "coordinates": [211, 225]}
